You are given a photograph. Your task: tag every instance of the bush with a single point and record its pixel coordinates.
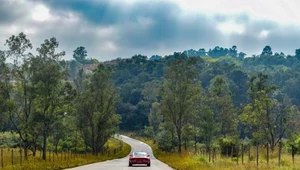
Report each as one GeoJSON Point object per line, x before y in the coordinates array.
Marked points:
{"type": "Point", "coordinates": [9, 140]}
{"type": "Point", "coordinates": [164, 141]}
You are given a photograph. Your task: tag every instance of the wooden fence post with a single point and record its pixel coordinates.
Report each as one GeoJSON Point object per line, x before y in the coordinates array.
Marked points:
{"type": "Point", "coordinates": [12, 157]}
{"type": "Point", "coordinates": [21, 157]}
{"type": "Point", "coordinates": [2, 161]}
{"type": "Point", "coordinates": [242, 154]}
{"type": "Point", "coordinates": [209, 154]}
{"type": "Point", "coordinates": [267, 153]}
{"type": "Point", "coordinates": [279, 153]}
{"type": "Point", "coordinates": [256, 154]}
{"type": "Point", "coordinates": [237, 154]}
{"type": "Point", "coordinates": [293, 154]}
{"type": "Point", "coordinates": [231, 151]}
{"type": "Point", "coordinates": [49, 155]}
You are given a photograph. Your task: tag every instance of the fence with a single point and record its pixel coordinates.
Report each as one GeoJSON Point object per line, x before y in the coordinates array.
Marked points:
{"type": "Point", "coordinates": [16, 157]}
{"type": "Point", "coordinates": [260, 154]}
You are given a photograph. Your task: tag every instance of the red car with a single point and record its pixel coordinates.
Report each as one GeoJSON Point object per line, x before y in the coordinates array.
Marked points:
{"type": "Point", "coordinates": [139, 158]}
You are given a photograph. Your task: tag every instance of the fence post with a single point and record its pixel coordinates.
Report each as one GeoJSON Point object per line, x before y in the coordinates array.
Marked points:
{"type": "Point", "coordinates": [209, 154]}
{"type": "Point", "coordinates": [49, 155]}
{"type": "Point", "coordinates": [2, 161]}
{"type": "Point", "coordinates": [12, 157]}
{"type": "Point", "coordinates": [231, 152]}
{"type": "Point", "coordinates": [279, 153]}
{"type": "Point", "coordinates": [242, 154]}
{"type": "Point", "coordinates": [21, 157]}
{"type": "Point", "coordinates": [293, 154]}
{"type": "Point", "coordinates": [249, 147]}
{"type": "Point", "coordinates": [237, 154]}
{"type": "Point", "coordinates": [256, 154]}
{"type": "Point", "coordinates": [267, 153]}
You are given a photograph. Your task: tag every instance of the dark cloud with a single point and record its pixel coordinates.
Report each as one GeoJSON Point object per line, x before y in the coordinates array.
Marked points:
{"type": "Point", "coordinates": [110, 29]}
{"type": "Point", "coordinates": [9, 13]}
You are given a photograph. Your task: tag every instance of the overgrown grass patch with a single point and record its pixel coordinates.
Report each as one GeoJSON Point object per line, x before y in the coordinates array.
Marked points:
{"type": "Point", "coordinates": [188, 160]}
{"type": "Point", "coordinates": [117, 149]}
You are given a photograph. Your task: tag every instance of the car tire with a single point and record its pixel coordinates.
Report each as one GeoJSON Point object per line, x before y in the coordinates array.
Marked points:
{"type": "Point", "coordinates": [148, 164]}
{"type": "Point", "coordinates": [130, 164]}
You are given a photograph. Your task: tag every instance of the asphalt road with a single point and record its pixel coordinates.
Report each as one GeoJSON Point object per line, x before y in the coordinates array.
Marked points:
{"type": "Point", "coordinates": [122, 164]}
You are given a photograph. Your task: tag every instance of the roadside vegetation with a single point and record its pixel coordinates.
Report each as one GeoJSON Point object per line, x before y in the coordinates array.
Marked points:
{"type": "Point", "coordinates": [189, 159]}
{"type": "Point", "coordinates": [114, 149]}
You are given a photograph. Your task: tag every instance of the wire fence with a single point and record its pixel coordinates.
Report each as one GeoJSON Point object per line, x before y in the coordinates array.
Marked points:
{"type": "Point", "coordinates": [12, 157]}
{"type": "Point", "coordinates": [258, 154]}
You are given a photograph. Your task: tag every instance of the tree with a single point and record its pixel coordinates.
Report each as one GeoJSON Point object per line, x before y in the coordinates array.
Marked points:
{"type": "Point", "coordinates": [233, 51]}
{"type": "Point", "coordinates": [96, 106]}
{"type": "Point", "coordinates": [24, 90]}
{"type": "Point", "coordinates": [5, 88]}
{"type": "Point", "coordinates": [242, 55]}
{"type": "Point", "coordinates": [267, 117]}
{"type": "Point", "coordinates": [297, 53]}
{"type": "Point", "coordinates": [180, 92]}
{"type": "Point", "coordinates": [267, 51]}
{"type": "Point", "coordinates": [80, 54]}
{"type": "Point", "coordinates": [155, 117]}
{"type": "Point", "coordinates": [48, 76]}
{"type": "Point", "coordinates": [222, 106]}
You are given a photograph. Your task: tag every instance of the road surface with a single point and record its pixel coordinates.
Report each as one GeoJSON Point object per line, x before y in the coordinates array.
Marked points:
{"type": "Point", "coordinates": [122, 164]}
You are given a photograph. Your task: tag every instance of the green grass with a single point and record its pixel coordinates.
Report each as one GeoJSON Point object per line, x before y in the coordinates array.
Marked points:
{"type": "Point", "coordinates": [190, 161]}
{"type": "Point", "coordinates": [64, 160]}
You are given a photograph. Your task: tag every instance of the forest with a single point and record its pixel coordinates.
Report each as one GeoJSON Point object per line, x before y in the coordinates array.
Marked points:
{"type": "Point", "coordinates": [216, 97]}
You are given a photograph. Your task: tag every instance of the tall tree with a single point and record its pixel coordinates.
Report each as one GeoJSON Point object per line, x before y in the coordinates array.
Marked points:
{"type": "Point", "coordinates": [5, 88]}
{"type": "Point", "coordinates": [80, 54]}
{"type": "Point", "coordinates": [48, 76]}
{"type": "Point", "coordinates": [180, 92]}
{"type": "Point", "coordinates": [267, 51]}
{"type": "Point", "coordinates": [96, 106]}
{"type": "Point", "coordinates": [267, 117]}
{"type": "Point", "coordinates": [21, 115]}
{"type": "Point", "coordinates": [297, 53]}
{"type": "Point", "coordinates": [222, 106]}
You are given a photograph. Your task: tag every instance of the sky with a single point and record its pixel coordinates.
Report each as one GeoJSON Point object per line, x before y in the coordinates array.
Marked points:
{"type": "Point", "coordinates": [109, 29]}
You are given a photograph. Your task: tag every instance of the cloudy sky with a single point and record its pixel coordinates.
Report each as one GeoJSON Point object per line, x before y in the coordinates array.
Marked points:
{"type": "Point", "coordinates": [121, 28]}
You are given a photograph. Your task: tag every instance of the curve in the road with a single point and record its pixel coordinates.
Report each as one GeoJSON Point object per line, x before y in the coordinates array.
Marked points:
{"type": "Point", "coordinates": [122, 164]}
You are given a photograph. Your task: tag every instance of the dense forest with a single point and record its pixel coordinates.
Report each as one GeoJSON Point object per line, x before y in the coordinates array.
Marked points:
{"type": "Point", "coordinates": [218, 97]}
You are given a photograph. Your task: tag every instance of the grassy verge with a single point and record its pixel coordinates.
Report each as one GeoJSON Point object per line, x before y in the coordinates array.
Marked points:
{"type": "Point", "coordinates": [65, 160]}
{"type": "Point", "coordinates": [190, 161]}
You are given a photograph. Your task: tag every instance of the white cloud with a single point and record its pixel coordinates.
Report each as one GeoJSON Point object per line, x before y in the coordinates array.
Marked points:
{"type": "Point", "coordinates": [231, 27]}
{"type": "Point", "coordinates": [263, 34]}
{"type": "Point", "coordinates": [280, 11]}
{"type": "Point", "coordinates": [40, 13]}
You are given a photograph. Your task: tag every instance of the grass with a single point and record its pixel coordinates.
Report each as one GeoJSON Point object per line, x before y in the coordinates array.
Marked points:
{"type": "Point", "coordinates": [64, 160]}
{"type": "Point", "coordinates": [190, 161]}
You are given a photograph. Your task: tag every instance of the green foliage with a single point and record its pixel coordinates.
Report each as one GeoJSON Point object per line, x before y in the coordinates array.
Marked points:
{"type": "Point", "coordinates": [95, 106]}
{"type": "Point", "coordinates": [9, 140]}
{"type": "Point", "coordinates": [180, 93]}
{"type": "Point", "coordinates": [164, 141]}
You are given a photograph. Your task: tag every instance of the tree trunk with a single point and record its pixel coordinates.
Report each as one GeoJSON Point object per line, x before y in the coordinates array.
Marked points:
{"type": "Point", "coordinates": [179, 140]}
{"type": "Point", "coordinates": [26, 152]}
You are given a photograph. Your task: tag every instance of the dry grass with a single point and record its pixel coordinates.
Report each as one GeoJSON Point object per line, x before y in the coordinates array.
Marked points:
{"type": "Point", "coordinates": [63, 160]}
{"type": "Point", "coordinates": [190, 161]}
